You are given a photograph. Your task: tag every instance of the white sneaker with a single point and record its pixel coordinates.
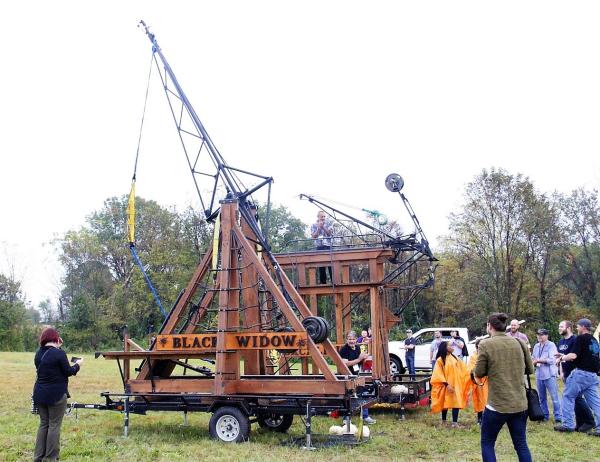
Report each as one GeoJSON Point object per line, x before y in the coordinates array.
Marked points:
{"type": "Point", "coordinates": [369, 420]}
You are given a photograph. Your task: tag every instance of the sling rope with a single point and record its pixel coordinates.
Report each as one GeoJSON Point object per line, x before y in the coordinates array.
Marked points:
{"type": "Point", "coordinates": [131, 207]}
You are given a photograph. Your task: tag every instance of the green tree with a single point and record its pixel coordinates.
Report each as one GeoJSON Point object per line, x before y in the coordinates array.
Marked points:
{"type": "Point", "coordinates": [17, 330]}
{"type": "Point", "coordinates": [489, 235]}
{"type": "Point", "coordinates": [284, 230]}
{"type": "Point", "coordinates": [104, 288]}
{"type": "Point", "coordinates": [547, 247]}
{"type": "Point", "coordinates": [581, 216]}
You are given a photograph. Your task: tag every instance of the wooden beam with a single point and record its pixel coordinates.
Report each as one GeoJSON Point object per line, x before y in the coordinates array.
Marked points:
{"type": "Point", "coordinates": [315, 258]}
{"type": "Point", "coordinates": [253, 360]}
{"type": "Point", "coordinates": [355, 288]}
{"type": "Point", "coordinates": [227, 364]}
{"type": "Point", "coordinates": [271, 387]}
{"type": "Point", "coordinates": [134, 345]}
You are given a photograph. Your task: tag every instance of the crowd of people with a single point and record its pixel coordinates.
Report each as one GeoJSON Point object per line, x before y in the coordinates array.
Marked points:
{"type": "Point", "coordinates": [494, 380]}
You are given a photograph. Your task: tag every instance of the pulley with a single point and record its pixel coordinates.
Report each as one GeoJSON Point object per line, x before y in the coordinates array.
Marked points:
{"type": "Point", "coordinates": [317, 328]}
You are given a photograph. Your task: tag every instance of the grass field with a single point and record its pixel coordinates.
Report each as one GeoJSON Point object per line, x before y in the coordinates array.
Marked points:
{"type": "Point", "coordinates": [97, 435]}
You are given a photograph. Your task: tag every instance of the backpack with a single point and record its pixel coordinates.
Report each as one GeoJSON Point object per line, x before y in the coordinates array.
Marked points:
{"type": "Point", "coordinates": [595, 347]}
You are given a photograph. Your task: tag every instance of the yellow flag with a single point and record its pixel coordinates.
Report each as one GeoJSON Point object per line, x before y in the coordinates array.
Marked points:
{"type": "Point", "coordinates": [131, 214]}
{"type": "Point", "coordinates": [217, 230]}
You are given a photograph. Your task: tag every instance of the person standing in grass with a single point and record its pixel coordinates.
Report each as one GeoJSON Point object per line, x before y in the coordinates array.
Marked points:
{"type": "Point", "coordinates": [502, 359]}
{"type": "Point", "coordinates": [409, 346]}
{"type": "Point", "coordinates": [433, 349]}
{"type": "Point", "coordinates": [50, 393]}
{"type": "Point", "coordinates": [448, 383]}
{"type": "Point", "coordinates": [544, 352]}
{"type": "Point", "coordinates": [514, 333]}
{"type": "Point", "coordinates": [477, 388]}
{"type": "Point", "coordinates": [584, 419]}
{"type": "Point", "coordinates": [585, 356]}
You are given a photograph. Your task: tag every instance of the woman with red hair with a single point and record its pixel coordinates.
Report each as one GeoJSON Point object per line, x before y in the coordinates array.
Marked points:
{"type": "Point", "coordinates": [50, 393]}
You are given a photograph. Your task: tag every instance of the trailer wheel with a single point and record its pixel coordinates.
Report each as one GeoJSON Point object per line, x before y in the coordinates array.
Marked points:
{"type": "Point", "coordinates": [275, 422]}
{"type": "Point", "coordinates": [230, 425]}
{"type": "Point", "coordinates": [396, 366]}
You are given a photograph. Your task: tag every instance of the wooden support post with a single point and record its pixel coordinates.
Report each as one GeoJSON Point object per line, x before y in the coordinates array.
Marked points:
{"type": "Point", "coordinates": [301, 275]}
{"type": "Point", "coordinates": [376, 339]}
{"type": "Point", "coordinates": [251, 314]}
{"type": "Point", "coordinates": [312, 281]}
{"type": "Point", "coordinates": [346, 274]}
{"type": "Point", "coordinates": [337, 273]}
{"type": "Point", "coordinates": [227, 364]}
{"type": "Point", "coordinates": [346, 312]}
{"type": "Point", "coordinates": [126, 362]}
{"type": "Point", "coordinates": [339, 328]}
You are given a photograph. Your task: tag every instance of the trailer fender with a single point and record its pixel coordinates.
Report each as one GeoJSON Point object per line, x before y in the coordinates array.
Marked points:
{"type": "Point", "coordinates": [242, 405]}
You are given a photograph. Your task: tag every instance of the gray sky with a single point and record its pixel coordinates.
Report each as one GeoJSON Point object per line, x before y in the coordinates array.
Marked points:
{"type": "Point", "coordinates": [327, 97]}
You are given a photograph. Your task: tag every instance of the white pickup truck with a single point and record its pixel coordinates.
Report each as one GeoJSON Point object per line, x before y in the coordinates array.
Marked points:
{"type": "Point", "coordinates": [423, 338]}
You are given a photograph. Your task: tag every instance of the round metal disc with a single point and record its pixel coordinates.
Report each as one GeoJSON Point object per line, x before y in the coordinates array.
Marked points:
{"type": "Point", "coordinates": [394, 182]}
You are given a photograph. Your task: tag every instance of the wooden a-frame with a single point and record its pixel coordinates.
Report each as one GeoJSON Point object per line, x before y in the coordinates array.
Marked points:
{"type": "Point", "coordinates": [239, 310]}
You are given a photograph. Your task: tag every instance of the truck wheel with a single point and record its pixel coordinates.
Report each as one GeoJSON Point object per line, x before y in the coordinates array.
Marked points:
{"type": "Point", "coordinates": [275, 422]}
{"type": "Point", "coordinates": [396, 366]}
{"type": "Point", "coordinates": [230, 425]}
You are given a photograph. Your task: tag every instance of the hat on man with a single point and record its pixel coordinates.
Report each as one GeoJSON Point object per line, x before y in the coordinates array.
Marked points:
{"type": "Point", "coordinates": [585, 323]}
{"type": "Point", "coordinates": [542, 332]}
{"type": "Point", "coordinates": [408, 331]}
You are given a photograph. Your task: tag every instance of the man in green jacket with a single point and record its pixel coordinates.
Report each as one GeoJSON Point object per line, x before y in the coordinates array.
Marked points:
{"type": "Point", "coordinates": [503, 360]}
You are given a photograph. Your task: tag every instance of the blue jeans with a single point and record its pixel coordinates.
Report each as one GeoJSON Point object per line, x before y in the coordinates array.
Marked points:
{"type": "Point", "coordinates": [491, 425]}
{"type": "Point", "coordinates": [580, 382]}
{"type": "Point", "coordinates": [410, 364]}
{"type": "Point", "coordinates": [544, 387]}
{"type": "Point", "coordinates": [583, 413]}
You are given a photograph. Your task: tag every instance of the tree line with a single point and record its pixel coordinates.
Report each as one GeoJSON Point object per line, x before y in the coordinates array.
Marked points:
{"type": "Point", "coordinates": [510, 247]}
{"type": "Point", "coordinates": [515, 249]}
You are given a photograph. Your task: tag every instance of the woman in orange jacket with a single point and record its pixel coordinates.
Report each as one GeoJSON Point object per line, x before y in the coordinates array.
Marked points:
{"type": "Point", "coordinates": [448, 383]}
{"type": "Point", "coordinates": [477, 387]}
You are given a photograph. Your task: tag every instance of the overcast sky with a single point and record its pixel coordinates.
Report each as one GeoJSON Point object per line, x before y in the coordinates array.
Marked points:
{"type": "Point", "coordinates": [328, 97]}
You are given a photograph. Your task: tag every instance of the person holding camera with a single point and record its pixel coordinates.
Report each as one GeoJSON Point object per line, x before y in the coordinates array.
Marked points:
{"type": "Point", "coordinates": [321, 232]}
{"type": "Point", "coordinates": [50, 393]}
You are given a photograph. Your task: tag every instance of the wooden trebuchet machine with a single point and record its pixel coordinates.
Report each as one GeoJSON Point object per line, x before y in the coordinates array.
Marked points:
{"type": "Point", "coordinates": [239, 312]}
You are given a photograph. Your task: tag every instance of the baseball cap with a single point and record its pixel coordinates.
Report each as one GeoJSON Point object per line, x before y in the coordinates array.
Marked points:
{"type": "Point", "coordinates": [409, 331]}
{"type": "Point", "coordinates": [585, 323]}
{"type": "Point", "coordinates": [542, 332]}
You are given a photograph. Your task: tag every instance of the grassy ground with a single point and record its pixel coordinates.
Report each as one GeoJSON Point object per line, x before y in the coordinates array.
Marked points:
{"type": "Point", "coordinates": [97, 435]}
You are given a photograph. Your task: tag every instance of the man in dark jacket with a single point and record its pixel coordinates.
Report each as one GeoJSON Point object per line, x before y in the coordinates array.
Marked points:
{"type": "Point", "coordinates": [584, 418]}
{"type": "Point", "coordinates": [585, 356]}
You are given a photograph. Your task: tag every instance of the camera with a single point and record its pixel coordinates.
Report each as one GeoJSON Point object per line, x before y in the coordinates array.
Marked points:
{"type": "Point", "coordinates": [74, 359]}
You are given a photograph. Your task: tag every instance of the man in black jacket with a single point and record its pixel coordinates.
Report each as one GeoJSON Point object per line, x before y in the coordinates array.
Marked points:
{"type": "Point", "coordinates": [585, 356]}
